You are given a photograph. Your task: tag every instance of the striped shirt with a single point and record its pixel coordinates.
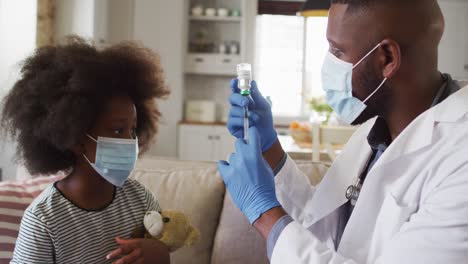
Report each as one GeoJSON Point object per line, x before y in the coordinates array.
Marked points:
{"type": "Point", "coordinates": [55, 230]}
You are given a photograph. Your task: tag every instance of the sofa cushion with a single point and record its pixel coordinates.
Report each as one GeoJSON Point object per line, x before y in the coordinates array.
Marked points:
{"type": "Point", "coordinates": [192, 187]}
{"type": "Point", "coordinates": [15, 197]}
{"type": "Point", "coordinates": [236, 240]}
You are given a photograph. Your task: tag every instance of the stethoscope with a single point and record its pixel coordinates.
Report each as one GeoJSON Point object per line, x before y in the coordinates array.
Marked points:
{"type": "Point", "coordinates": [353, 191]}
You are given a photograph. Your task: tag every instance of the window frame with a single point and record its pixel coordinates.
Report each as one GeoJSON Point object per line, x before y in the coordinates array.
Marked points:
{"type": "Point", "coordinates": [304, 115]}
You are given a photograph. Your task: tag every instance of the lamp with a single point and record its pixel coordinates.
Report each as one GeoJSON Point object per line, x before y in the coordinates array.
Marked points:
{"type": "Point", "coordinates": [315, 8]}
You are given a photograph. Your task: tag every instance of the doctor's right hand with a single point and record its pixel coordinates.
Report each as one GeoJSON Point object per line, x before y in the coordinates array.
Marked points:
{"type": "Point", "coordinates": [260, 115]}
{"type": "Point", "coordinates": [249, 179]}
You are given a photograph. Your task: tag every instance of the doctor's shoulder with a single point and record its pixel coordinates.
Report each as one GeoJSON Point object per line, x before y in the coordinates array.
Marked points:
{"type": "Point", "coordinates": [447, 168]}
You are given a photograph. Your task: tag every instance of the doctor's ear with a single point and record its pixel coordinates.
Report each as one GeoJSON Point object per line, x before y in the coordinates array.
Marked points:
{"type": "Point", "coordinates": [390, 58]}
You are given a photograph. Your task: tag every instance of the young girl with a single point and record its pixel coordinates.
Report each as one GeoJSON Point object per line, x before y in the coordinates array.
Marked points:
{"type": "Point", "coordinates": [90, 112]}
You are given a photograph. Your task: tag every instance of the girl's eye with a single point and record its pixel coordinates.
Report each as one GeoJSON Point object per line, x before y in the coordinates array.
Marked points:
{"type": "Point", "coordinates": [118, 131]}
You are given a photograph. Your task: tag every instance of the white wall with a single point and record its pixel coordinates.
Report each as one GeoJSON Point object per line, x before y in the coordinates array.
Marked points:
{"type": "Point", "coordinates": [74, 17]}
{"type": "Point", "coordinates": [453, 49]}
{"type": "Point", "coordinates": [120, 20]}
{"type": "Point", "coordinates": [160, 25]}
{"type": "Point", "coordinates": [18, 39]}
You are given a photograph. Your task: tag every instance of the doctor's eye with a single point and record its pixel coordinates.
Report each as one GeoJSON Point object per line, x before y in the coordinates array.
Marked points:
{"type": "Point", "coordinates": [337, 54]}
{"type": "Point", "coordinates": [335, 51]}
{"type": "Point", "coordinates": [134, 132]}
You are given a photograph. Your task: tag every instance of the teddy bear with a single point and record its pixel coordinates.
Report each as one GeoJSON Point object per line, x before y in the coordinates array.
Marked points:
{"type": "Point", "coordinates": [171, 227]}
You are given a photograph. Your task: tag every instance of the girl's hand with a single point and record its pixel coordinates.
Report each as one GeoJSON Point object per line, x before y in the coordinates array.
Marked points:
{"type": "Point", "coordinates": [140, 251]}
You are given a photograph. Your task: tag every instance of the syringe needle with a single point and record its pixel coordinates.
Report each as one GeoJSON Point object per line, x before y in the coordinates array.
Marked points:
{"type": "Point", "coordinates": [246, 124]}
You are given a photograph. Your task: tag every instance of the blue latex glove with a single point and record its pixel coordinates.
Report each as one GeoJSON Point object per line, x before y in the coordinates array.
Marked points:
{"type": "Point", "coordinates": [249, 178]}
{"type": "Point", "coordinates": [260, 115]}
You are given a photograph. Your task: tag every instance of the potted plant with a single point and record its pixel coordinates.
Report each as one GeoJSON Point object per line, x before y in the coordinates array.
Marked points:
{"type": "Point", "coordinates": [321, 111]}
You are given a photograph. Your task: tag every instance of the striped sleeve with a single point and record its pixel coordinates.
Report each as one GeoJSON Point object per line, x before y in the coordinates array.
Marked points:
{"type": "Point", "coordinates": [34, 243]}
{"type": "Point", "coordinates": [151, 203]}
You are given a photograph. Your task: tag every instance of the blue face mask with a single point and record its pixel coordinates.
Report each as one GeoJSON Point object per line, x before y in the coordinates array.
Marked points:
{"type": "Point", "coordinates": [115, 158]}
{"type": "Point", "coordinates": [337, 76]}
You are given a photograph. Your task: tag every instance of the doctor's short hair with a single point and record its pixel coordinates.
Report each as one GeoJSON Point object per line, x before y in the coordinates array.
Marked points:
{"type": "Point", "coordinates": [356, 5]}
{"type": "Point", "coordinates": [63, 88]}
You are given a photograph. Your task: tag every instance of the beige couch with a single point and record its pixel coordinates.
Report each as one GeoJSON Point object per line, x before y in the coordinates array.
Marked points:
{"type": "Point", "coordinates": [193, 187]}
{"type": "Point", "coordinates": [197, 189]}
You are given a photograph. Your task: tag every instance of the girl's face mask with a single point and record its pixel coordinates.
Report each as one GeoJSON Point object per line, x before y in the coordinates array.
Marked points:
{"type": "Point", "coordinates": [115, 158]}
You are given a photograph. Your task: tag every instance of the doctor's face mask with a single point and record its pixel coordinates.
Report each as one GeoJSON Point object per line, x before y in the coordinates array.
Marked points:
{"type": "Point", "coordinates": [337, 77]}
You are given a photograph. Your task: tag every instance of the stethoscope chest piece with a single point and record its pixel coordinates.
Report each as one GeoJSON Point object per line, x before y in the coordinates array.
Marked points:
{"type": "Point", "coordinates": [353, 191]}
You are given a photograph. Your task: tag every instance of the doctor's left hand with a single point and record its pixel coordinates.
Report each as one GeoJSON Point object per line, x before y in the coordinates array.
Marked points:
{"type": "Point", "coordinates": [140, 251]}
{"type": "Point", "coordinates": [249, 178]}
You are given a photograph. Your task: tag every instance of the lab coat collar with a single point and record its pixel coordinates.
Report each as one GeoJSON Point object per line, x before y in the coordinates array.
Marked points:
{"type": "Point", "coordinates": [330, 193]}
{"type": "Point", "coordinates": [391, 165]}
{"type": "Point", "coordinates": [454, 107]}
{"type": "Point", "coordinates": [419, 133]}
{"type": "Point", "coordinates": [348, 166]}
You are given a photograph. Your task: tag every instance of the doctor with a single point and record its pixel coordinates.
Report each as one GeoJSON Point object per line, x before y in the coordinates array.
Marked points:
{"type": "Point", "coordinates": [398, 193]}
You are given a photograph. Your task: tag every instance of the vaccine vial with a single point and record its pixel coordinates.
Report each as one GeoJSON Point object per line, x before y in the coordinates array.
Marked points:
{"type": "Point", "coordinates": [244, 77]}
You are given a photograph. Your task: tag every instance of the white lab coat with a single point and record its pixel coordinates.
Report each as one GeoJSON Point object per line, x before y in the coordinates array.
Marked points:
{"type": "Point", "coordinates": [413, 207]}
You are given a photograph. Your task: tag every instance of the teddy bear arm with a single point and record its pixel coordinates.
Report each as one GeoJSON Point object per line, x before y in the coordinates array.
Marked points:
{"type": "Point", "coordinates": [192, 237]}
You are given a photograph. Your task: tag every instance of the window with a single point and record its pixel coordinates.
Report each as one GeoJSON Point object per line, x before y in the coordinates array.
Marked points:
{"type": "Point", "coordinates": [288, 60]}
{"type": "Point", "coordinates": [18, 32]}
{"type": "Point", "coordinates": [18, 39]}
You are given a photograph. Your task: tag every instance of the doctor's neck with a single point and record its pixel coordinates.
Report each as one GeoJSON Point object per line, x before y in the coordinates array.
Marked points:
{"type": "Point", "coordinates": [418, 80]}
{"type": "Point", "coordinates": [403, 109]}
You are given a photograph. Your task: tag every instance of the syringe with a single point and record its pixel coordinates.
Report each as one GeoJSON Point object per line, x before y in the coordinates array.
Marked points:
{"type": "Point", "coordinates": [244, 77]}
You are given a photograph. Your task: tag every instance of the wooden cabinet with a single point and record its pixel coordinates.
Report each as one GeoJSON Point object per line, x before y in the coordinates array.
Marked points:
{"type": "Point", "coordinates": [207, 33]}
{"type": "Point", "coordinates": [212, 64]}
{"type": "Point", "coordinates": [204, 142]}
{"type": "Point", "coordinates": [453, 49]}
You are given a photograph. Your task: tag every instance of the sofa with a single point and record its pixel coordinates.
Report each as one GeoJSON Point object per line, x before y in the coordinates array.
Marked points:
{"type": "Point", "coordinates": [193, 187]}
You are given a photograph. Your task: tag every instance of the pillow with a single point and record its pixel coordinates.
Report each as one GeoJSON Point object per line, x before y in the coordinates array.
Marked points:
{"type": "Point", "coordinates": [15, 197]}
{"type": "Point", "coordinates": [196, 189]}
{"type": "Point", "coordinates": [236, 240]}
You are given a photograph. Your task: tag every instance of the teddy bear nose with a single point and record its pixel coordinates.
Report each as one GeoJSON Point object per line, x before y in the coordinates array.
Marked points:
{"type": "Point", "coordinates": [166, 219]}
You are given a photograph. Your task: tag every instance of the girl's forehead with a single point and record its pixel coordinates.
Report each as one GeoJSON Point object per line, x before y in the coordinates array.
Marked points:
{"type": "Point", "coordinates": [120, 107]}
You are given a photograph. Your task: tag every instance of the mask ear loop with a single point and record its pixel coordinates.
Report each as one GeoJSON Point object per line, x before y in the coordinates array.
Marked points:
{"type": "Point", "coordinates": [376, 90]}
{"type": "Point", "coordinates": [92, 140]}
{"type": "Point", "coordinates": [359, 62]}
{"type": "Point", "coordinates": [137, 147]}
{"type": "Point", "coordinates": [86, 158]}
{"type": "Point", "coordinates": [367, 55]}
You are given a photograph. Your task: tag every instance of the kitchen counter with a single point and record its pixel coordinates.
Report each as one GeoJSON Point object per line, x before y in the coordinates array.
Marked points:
{"type": "Point", "coordinates": [303, 152]}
